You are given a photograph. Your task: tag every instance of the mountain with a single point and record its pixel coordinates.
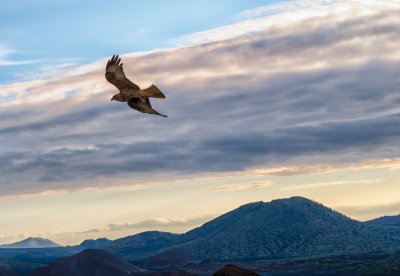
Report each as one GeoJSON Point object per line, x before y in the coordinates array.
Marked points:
{"type": "Point", "coordinates": [275, 233]}
{"type": "Point", "coordinates": [283, 228]}
{"type": "Point", "coordinates": [385, 221]}
{"type": "Point", "coordinates": [32, 243]}
{"type": "Point", "coordinates": [89, 262]}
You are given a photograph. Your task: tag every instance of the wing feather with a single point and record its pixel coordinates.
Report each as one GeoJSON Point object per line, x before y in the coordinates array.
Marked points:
{"type": "Point", "coordinates": [143, 105]}
{"type": "Point", "coordinates": [115, 74]}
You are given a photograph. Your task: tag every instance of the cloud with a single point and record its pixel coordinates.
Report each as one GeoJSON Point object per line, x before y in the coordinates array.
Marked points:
{"type": "Point", "coordinates": [333, 183]}
{"type": "Point", "coordinates": [242, 186]}
{"type": "Point", "coordinates": [371, 211]}
{"type": "Point", "coordinates": [285, 7]}
{"type": "Point", "coordinates": [89, 231]}
{"type": "Point", "coordinates": [388, 163]}
{"type": "Point", "coordinates": [6, 52]}
{"type": "Point", "coordinates": [316, 88]}
{"type": "Point", "coordinates": [274, 18]}
{"type": "Point", "coordinates": [160, 223]}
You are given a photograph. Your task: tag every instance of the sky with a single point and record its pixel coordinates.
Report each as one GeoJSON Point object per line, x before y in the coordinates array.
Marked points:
{"type": "Point", "coordinates": [265, 100]}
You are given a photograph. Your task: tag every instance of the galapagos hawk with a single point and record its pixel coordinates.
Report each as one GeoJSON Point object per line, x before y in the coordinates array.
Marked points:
{"type": "Point", "coordinates": [129, 92]}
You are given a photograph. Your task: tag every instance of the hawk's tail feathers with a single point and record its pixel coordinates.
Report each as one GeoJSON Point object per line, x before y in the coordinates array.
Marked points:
{"type": "Point", "coordinates": [152, 92]}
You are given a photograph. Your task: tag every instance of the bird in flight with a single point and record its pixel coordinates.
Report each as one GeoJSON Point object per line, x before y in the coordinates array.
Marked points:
{"type": "Point", "coordinates": [129, 92]}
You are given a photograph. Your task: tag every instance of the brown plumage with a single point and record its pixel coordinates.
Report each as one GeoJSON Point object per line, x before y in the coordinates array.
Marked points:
{"type": "Point", "coordinates": [129, 92]}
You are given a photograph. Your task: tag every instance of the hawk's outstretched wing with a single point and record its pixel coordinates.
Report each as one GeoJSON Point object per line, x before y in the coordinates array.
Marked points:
{"type": "Point", "coordinates": [115, 74]}
{"type": "Point", "coordinates": [143, 105]}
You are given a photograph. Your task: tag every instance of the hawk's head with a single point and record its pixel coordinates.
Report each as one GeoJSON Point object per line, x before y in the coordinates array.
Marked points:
{"type": "Point", "coordinates": [117, 97]}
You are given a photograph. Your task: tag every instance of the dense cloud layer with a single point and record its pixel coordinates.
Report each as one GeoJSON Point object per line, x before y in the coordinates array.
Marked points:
{"type": "Point", "coordinates": [321, 86]}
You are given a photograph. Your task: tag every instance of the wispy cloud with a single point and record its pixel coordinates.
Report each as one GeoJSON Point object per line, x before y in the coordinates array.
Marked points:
{"type": "Point", "coordinates": [242, 186]}
{"type": "Point", "coordinates": [371, 211]}
{"type": "Point", "coordinates": [159, 223]}
{"type": "Point", "coordinates": [6, 52]}
{"type": "Point", "coordinates": [49, 69]}
{"type": "Point", "coordinates": [89, 231]}
{"type": "Point", "coordinates": [6, 62]}
{"type": "Point", "coordinates": [285, 7]}
{"type": "Point", "coordinates": [387, 163]}
{"type": "Point", "coordinates": [333, 183]}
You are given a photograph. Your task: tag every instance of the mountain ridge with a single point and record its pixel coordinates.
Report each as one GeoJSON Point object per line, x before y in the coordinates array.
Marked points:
{"type": "Point", "coordinates": [282, 228]}
{"type": "Point", "coordinates": [385, 221]}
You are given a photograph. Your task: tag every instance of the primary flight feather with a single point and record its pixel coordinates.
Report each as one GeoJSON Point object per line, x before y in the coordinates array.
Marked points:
{"type": "Point", "coordinates": [129, 92]}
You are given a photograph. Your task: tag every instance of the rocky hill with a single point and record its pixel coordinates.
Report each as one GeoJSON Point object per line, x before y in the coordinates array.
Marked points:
{"type": "Point", "coordinates": [89, 262]}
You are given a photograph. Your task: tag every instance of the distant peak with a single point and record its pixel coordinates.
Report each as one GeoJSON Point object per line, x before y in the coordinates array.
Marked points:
{"type": "Point", "coordinates": [32, 242]}
{"type": "Point", "coordinates": [35, 239]}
